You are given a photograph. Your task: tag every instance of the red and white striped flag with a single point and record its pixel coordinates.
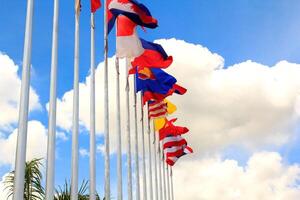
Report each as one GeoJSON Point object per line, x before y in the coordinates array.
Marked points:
{"type": "Point", "coordinates": [158, 109]}
{"type": "Point", "coordinates": [175, 147]}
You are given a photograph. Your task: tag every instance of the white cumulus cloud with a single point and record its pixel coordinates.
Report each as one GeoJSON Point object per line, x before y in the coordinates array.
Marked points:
{"type": "Point", "coordinates": [265, 177]}
{"type": "Point", "coordinates": [10, 85]}
{"type": "Point", "coordinates": [36, 144]}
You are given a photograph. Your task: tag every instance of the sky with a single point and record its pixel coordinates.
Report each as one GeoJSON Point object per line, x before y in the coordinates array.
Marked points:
{"type": "Point", "coordinates": [238, 59]}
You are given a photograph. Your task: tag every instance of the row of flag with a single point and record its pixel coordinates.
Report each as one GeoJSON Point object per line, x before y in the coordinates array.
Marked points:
{"type": "Point", "coordinates": [148, 61]}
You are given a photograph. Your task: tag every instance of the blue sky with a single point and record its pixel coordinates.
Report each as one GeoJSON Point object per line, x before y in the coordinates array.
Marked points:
{"type": "Point", "coordinates": [263, 31]}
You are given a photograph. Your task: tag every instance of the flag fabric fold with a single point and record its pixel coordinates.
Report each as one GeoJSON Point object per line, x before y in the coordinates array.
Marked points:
{"type": "Point", "coordinates": [128, 43]}
{"type": "Point", "coordinates": [132, 9]}
{"type": "Point", "coordinates": [95, 5]}
{"type": "Point", "coordinates": [154, 56]}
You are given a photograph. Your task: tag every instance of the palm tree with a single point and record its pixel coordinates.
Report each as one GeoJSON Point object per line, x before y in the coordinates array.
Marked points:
{"type": "Point", "coordinates": [33, 189]}
{"type": "Point", "coordinates": [64, 193]}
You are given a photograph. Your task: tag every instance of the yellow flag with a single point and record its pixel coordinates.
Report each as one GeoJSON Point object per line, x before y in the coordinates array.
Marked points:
{"type": "Point", "coordinates": [159, 123]}
{"type": "Point", "coordinates": [171, 108]}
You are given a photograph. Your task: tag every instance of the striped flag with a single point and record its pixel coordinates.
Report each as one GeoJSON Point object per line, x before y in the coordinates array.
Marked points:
{"type": "Point", "coordinates": [95, 4]}
{"type": "Point", "coordinates": [175, 147]}
{"type": "Point", "coordinates": [128, 43]}
{"type": "Point", "coordinates": [157, 109]}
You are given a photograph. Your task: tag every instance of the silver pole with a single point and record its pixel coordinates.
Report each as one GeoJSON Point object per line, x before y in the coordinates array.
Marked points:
{"type": "Point", "coordinates": [119, 137]}
{"type": "Point", "coordinates": [159, 168]}
{"type": "Point", "coordinates": [150, 157]}
{"type": "Point", "coordinates": [23, 109]}
{"type": "Point", "coordinates": [92, 115]}
{"type": "Point", "coordinates": [155, 163]}
{"type": "Point", "coordinates": [52, 109]}
{"type": "Point", "coordinates": [129, 173]}
{"type": "Point", "coordinates": [143, 151]}
{"type": "Point", "coordinates": [106, 109]}
{"type": "Point", "coordinates": [168, 183]}
{"type": "Point", "coordinates": [136, 153]}
{"type": "Point", "coordinates": [74, 178]}
{"type": "Point", "coordinates": [172, 186]}
{"type": "Point", "coordinates": [164, 176]}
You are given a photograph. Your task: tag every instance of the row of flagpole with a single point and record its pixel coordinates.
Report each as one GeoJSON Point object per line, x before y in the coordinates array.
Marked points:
{"type": "Point", "coordinates": [159, 165]}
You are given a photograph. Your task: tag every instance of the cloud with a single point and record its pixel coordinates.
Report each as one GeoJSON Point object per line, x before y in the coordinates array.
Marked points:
{"type": "Point", "coordinates": [265, 177]}
{"type": "Point", "coordinates": [84, 152]}
{"type": "Point", "coordinates": [36, 143]}
{"type": "Point", "coordinates": [10, 85]}
{"type": "Point", "coordinates": [247, 104]}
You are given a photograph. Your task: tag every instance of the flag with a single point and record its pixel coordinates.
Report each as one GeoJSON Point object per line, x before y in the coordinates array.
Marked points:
{"type": "Point", "coordinates": [128, 43]}
{"type": "Point", "coordinates": [157, 109]}
{"type": "Point", "coordinates": [95, 4]}
{"type": "Point", "coordinates": [170, 129]}
{"type": "Point", "coordinates": [171, 108]}
{"type": "Point", "coordinates": [77, 7]}
{"type": "Point", "coordinates": [134, 10]}
{"type": "Point", "coordinates": [154, 56]}
{"type": "Point", "coordinates": [151, 95]}
{"type": "Point", "coordinates": [175, 147]}
{"type": "Point", "coordinates": [161, 84]}
{"type": "Point", "coordinates": [159, 123]}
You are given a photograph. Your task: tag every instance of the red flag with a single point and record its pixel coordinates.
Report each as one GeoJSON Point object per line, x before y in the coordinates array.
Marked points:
{"type": "Point", "coordinates": [95, 4]}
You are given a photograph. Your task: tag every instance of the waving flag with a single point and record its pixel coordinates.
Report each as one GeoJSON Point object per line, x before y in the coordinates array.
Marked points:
{"type": "Point", "coordinates": [95, 4]}
{"type": "Point", "coordinates": [132, 9]}
{"type": "Point", "coordinates": [151, 95]}
{"type": "Point", "coordinates": [154, 56]}
{"type": "Point", "coordinates": [128, 43]}
{"type": "Point", "coordinates": [157, 109]}
{"type": "Point", "coordinates": [176, 152]}
{"type": "Point", "coordinates": [171, 129]}
{"type": "Point", "coordinates": [162, 83]}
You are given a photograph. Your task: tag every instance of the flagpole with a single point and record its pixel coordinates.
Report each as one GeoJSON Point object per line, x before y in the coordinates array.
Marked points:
{"type": "Point", "coordinates": [168, 183]}
{"type": "Point", "coordinates": [172, 186]}
{"type": "Point", "coordinates": [52, 109]}
{"type": "Point", "coordinates": [106, 109]}
{"type": "Point", "coordinates": [164, 175]}
{"type": "Point", "coordinates": [155, 163]}
{"type": "Point", "coordinates": [92, 115]}
{"type": "Point", "coordinates": [150, 157]}
{"type": "Point", "coordinates": [137, 172]}
{"type": "Point", "coordinates": [119, 137]}
{"type": "Point", "coordinates": [74, 178]}
{"type": "Point", "coordinates": [23, 109]}
{"type": "Point", "coordinates": [143, 151]}
{"type": "Point", "coordinates": [159, 168]}
{"type": "Point", "coordinates": [129, 173]}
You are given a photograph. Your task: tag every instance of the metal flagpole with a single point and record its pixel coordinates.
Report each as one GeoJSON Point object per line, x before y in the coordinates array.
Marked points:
{"type": "Point", "coordinates": [92, 115]}
{"type": "Point", "coordinates": [172, 186]}
{"type": "Point", "coordinates": [106, 109]}
{"type": "Point", "coordinates": [23, 109]}
{"type": "Point", "coordinates": [119, 137]}
{"type": "Point", "coordinates": [143, 151]}
{"type": "Point", "coordinates": [52, 109]}
{"type": "Point", "coordinates": [155, 163]}
{"type": "Point", "coordinates": [129, 173]}
{"type": "Point", "coordinates": [136, 153]}
{"type": "Point", "coordinates": [168, 183]}
{"type": "Point", "coordinates": [159, 169]}
{"type": "Point", "coordinates": [74, 178]}
{"type": "Point", "coordinates": [164, 175]}
{"type": "Point", "coordinates": [150, 157]}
